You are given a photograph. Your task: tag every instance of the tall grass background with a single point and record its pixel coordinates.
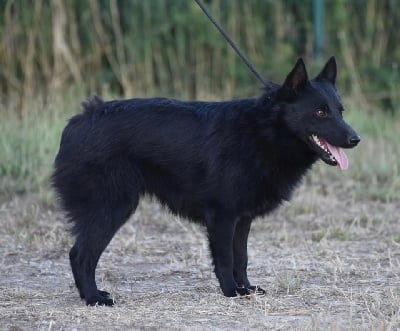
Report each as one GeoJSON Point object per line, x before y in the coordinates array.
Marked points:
{"type": "Point", "coordinates": [53, 53]}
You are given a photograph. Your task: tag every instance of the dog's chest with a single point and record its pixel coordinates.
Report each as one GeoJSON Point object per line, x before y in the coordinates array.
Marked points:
{"type": "Point", "coordinates": [277, 186]}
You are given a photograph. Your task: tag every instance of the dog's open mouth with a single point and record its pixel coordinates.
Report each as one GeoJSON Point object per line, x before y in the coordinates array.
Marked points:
{"type": "Point", "coordinates": [330, 154]}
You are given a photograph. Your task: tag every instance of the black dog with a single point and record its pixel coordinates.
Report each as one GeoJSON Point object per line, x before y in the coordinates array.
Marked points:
{"type": "Point", "coordinates": [218, 163]}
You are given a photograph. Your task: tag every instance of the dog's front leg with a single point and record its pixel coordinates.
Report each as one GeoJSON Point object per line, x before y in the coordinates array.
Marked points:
{"type": "Point", "coordinates": [241, 234]}
{"type": "Point", "coordinates": [220, 230]}
{"type": "Point", "coordinates": [240, 259]}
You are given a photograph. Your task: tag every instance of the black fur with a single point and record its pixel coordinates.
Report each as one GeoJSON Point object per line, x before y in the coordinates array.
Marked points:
{"type": "Point", "coordinates": [217, 163]}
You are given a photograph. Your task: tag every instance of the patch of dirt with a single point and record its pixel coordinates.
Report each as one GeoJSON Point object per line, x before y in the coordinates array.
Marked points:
{"type": "Point", "coordinates": [325, 260]}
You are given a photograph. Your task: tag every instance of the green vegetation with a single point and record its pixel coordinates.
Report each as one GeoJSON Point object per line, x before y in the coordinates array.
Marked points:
{"type": "Point", "coordinates": [162, 47]}
{"type": "Point", "coordinates": [27, 148]}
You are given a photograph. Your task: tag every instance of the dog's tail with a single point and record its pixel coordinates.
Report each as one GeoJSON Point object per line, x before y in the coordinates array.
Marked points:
{"type": "Point", "coordinates": [90, 104]}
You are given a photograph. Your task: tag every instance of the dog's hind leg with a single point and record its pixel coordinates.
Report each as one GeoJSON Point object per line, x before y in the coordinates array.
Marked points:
{"type": "Point", "coordinates": [98, 207]}
{"type": "Point", "coordinates": [92, 238]}
{"type": "Point", "coordinates": [240, 259]}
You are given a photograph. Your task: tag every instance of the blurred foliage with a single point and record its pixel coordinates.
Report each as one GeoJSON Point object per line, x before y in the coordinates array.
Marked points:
{"type": "Point", "coordinates": [164, 47]}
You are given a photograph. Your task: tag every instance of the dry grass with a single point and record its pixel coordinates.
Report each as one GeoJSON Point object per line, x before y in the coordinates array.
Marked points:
{"type": "Point", "coordinates": [328, 262]}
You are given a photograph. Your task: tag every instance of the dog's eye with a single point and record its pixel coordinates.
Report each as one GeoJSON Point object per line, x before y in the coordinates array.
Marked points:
{"type": "Point", "coordinates": [321, 113]}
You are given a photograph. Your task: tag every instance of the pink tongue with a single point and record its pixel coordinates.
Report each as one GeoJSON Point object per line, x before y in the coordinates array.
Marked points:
{"type": "Point", "coordinates": [339, 155]}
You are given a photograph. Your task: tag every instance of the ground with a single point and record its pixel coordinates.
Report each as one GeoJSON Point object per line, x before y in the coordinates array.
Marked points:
{"type": "Point", "coordinates": [328, 261]}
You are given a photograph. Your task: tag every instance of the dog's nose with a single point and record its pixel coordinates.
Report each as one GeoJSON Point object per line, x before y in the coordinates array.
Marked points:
{"type": "Point", "coordinates": [354, 140]}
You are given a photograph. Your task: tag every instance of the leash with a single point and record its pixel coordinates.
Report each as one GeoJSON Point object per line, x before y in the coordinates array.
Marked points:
{"type": "Point", "coordinates": [233, 45]}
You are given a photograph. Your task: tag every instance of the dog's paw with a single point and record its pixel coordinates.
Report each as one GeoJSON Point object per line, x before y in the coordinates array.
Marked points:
{"type": "Point", "coordinates": [231, 293]}
{"type": "Point", "coordinates": [100, 300]}
{"type": "Point", "coordinates": [256, 290]}
{"type": "Point", "coordinates": [242, 291]}
{"type": "Point", "coordinates": [104, 294]}
{"type": "Point", "coordinates": [249, 290]}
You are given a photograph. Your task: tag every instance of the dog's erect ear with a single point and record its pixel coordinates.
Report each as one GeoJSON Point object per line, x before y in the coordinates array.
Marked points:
{"type": "Point", "coordinates": [329, 72]}
{"type": "Point", "coordinates": [295, 82]}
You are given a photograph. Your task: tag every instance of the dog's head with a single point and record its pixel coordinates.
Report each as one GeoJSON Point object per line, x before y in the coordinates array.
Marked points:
{"type": "Point", "coordinates": [313, 112]}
